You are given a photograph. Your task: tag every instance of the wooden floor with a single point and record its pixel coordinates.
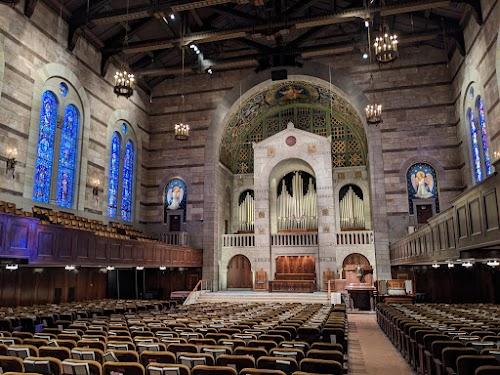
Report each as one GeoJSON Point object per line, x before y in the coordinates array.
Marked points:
{"type": "Point", "coordinates": [370, 351]}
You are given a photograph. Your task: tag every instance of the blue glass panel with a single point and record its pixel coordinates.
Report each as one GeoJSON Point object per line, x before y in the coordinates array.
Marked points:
{"type": "Point", "coordinates": [45, 148]}
{"type": "Point", "coordinates": [484, 137]}
{"type": "Point", "coordinates": [476, 154]}
{"type": "Point", "coordinates": [124, 128]}
{"type": "Point", "coordinates": [114, 172]}
{"type": "Point", "coordinates": [63, 89]}
{"type": "Point", "coordinates": [68, 150]}
{"type": "Point", "coordinates": [127, 182]}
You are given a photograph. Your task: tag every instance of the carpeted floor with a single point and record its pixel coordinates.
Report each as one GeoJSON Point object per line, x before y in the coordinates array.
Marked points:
{"type": "Point", "coordinates": [370, 351]}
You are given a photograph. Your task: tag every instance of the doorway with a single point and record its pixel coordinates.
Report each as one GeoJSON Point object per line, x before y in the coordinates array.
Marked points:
{"type": "Point", "coordinates": [424, 213]}
{"type": "Point", "coordinates": [175, 223]}
{"type": "Point", "coordinates": [239, 273]}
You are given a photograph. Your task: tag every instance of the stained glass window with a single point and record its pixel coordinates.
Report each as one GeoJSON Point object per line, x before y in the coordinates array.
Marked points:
{"type": "Point", "coordinates": [476, 153]}
{"type": "Point", "coordinates": [45, 147]}
{"type": "Point", "coordinates": [68, 150]}
{"type": "Point", "coordinates": [114, 172]}
{"type": "Point", "coordinates": [127, 181]}
{"type": "Point", "coordinates": [484, 136]}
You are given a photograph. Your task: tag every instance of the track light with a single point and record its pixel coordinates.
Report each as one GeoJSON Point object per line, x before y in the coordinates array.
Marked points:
{"type": "Point", "coordinates": [210, 71]}
{"type": "Point", "coordinates": [450, 265]}
{"type": "Point", "coordinates": [493, 263]}
{"type": "Point", "coordinates": [139, 268]}
{"type": "Point", "coordinates": [435, 265]}
{"type": "Point", "coordinates": [467, 264]}
{"type": "Point", "coordinates": [69, 267]}
{"type": "Point", "coordinates": [110, 268]}
{"type": "Point", "coordinates": [367, 23]}
{"type": "Point", "coordinates": [11, 267]}
{"type": "Point", "coordinates": [163, 268]}
{"type": "Point", "coordinates": [172, 16]}
{"type": "Point", "coordinates": [365, 55]}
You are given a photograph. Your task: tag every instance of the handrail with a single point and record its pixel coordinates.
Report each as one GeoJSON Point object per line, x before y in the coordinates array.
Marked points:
{"type": "Point", "coordinates": [192, 294]}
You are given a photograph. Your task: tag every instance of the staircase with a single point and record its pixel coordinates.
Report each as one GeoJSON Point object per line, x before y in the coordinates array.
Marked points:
{"type": "Point", "coordinates": [250, 296]}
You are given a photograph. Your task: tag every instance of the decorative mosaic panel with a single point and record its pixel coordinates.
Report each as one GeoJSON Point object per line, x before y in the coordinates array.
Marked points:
{"type": "Point", "coordinates": [311, 108]}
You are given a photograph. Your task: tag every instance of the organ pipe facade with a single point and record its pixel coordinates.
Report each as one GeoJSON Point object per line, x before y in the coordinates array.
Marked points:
{"type": "Point", "coordinates": [352, 214]}
{"type": "Point", "coordinates": [246, 214]}
{"type": "Point", "coordinates": [297, 211]}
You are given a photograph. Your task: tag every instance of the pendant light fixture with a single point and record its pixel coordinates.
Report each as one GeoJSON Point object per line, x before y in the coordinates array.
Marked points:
{"type": "Point", "coordinates": [181, 129]}
{"type": "Point", "coordinates": [124, 79]}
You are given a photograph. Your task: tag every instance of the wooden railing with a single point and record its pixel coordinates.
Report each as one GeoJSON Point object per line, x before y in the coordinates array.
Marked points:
{"type": "Point", "coordinates": [200, 287]}
{"type": "Point", "coordinates": [361, 237]}
{"type": "Point", "coordinates": [471, 223]}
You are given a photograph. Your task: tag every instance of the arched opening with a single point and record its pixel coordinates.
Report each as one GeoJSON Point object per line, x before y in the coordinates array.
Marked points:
{"type": "Point", "coordinates": [356, 268]}
{"type": "Point", "coordinates": [239, 273]}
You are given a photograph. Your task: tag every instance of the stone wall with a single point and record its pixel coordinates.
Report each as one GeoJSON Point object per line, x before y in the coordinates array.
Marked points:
{"type": "Point", "coordinates": [32, 49]}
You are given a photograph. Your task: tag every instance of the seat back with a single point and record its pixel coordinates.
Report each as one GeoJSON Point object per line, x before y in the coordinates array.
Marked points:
{"type": "Point", "coordinates": [238, 362]}
{"type": "Point", "coordinates": [43, 365]}
{"type": "Point", "coordinates": [294, 353]}
{"type": "Point", "coordinates": [488, 370]}
{"type": "Point", "coordinates": [59, 353]}
{"type": "Point", "coordinates": [11, 364]}
{"type": "Point", "coordinates": [467, 364]}
{"type": "Point", "coordinates": [285, 364]}
{"type": "Point", "coordinates": [81, 367]}
{"type": "Point", "coordinates": [22, 351]}
{"type": "Point", "coordinates": [334, 355]}
{"type": "Point", "coordinates": [255, 371]}
{"type": "Point", "coordinates": [167, 369]}
{"type": "Point", "coordinates": [450, 356]}
{"type": "Point", "coordinates": [438, 346]}
{"type": "Point", "coordinates": [148, 357]}
{"type": "Point", "coordinates": [254, 352]}
{"type": "Point", "coordinates": [123, 368]}
{"type": "Point", "coordinates": [321, 366]}
{"type": "Point", "coordinates": [213, 370]}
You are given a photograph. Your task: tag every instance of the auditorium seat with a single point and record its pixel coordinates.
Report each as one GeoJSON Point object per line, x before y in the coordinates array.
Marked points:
{"type": "Point", "coordinates": [467, 364]}
{"type": "Point", "coordinates": [239, 362]}
{"type": "Point", "coordinates": [80, 367]}
{"type": "Point", "coordinates": [254, 371]}
{"type": "Point", "coordinates": [434, 364]}
{"type": "Point", "coordinates": [213, 370]}
{"type": "Point", "coordinates": [294, 353]}
{"type": "Point", "coordinates": [285, 364]}
{"type": "Point", "coordinates": [488, 370]}
{"type": "Point", "coordinates": [55, 352]}
{"type": "Point", "coordinates": [43, 365]}
{"type": "Point", "coordinates": [333, 355]}
{"type": "Point", "coordinates": [193, 359]}
{"type": "Point", "coordinates": [11, 364]}
{"type": "Point", "coordinates": [185, 348]}
{"type": "Point", "coordinates": [264, 344]}
{"type": "Point", "coordinates": [122, 355]}
{"type": "Point", "coordinates": [450, 356]}
{"type": "Point", "coordinates": [147, 357]}
{"type": "Point", "coordinates": [22, 351]}
{"type": "Point", "coordinates": [321, 366]}
{"type": "Point", "coordinates": [87, 353]}
{"type": "Point", "coordinates": [123, 368]}
{"type": "Point", "coordinates": [254, 352]}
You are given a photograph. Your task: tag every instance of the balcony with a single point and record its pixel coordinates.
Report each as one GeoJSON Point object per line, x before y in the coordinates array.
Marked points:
{"type": "Point", "coordinates": [174, 238]}
{"type": "Point", "coordinates": [470, 224]}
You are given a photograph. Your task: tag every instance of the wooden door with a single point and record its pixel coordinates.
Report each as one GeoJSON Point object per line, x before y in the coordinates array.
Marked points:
{"type": "Point", "coordinates": [239, 272]}
{"type": "Point", "coordinates": [424, 213]}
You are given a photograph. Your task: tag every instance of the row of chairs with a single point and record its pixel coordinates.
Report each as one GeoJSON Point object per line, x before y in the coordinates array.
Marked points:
{"type": "Point", "coordinates": [445, 339]}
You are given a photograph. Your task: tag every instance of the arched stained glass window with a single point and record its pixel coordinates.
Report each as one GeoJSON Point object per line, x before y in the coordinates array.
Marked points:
{"type": "Point", "coordinates": [127, 181]}
{"type": "Point", "coordinates": [484, 136]}
{"type": "Point", "coordinates": [476, 153]}
{"type": "Point", "coordinates": [114, 174]}
{"type": "Point", "coordinates": [45, 148]}
{"type": "Point", "coordinates": [68, 152]}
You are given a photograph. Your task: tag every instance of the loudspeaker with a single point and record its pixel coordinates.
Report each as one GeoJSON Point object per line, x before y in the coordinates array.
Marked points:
{"type": "Point", "coordinates": [279, 75]}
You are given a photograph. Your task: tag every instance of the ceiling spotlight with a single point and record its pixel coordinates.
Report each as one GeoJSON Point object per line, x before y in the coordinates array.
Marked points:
{"type": "Point", "coordinates": [12, 267]}
{"type": "Point", "coordinates": [172, 16]}
{"type": "Point", "coordinates": [493, 263]}
{"type": "Point", "coordinates": [110, 268]}
{"type": "Point", "coordinates": [163, 268]}
{"type": "Point", "coordinates": [467, 264]}
{"type": "Point", "coordinates": [139, 268]}
{"type": "Point", "coordinates": [435, 265]}
{"type": "Point", "coordinates": [367, 23]}
{"type": "Point", "coordinates": [450, 265]}
{"type": "Point", "coordinates": [69, 267]}
{"type": "Point", "coordinates": [165, 20]}
{"type": "Point", "coordinates": [210, 71]}
{"type": "Point", "coordinates": [365, 55]}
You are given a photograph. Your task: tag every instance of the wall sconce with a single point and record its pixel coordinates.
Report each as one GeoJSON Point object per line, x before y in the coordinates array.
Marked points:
{"type": "Point", "coordinates": [95, 183]}
{"type": "Point", "coordinates": [10, 161]}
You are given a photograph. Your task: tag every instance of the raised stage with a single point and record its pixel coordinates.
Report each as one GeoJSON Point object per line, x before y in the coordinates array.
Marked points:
{"type": "Point", "coordinates": [251, 296]}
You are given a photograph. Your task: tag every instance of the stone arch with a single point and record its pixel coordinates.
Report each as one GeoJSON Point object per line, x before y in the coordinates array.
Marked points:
{"type": "Point", "coordinates": [314, 73]}
{"type": "Point", "coordinates": [41, 76]}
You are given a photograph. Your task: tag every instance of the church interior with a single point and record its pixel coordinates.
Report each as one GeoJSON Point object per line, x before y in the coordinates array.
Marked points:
{"type": "Point", "coordinates": [247, 187]}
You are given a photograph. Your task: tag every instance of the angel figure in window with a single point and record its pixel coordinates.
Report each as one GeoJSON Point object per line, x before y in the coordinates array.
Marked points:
{"type": "Point", "coordinates": [423, 184]}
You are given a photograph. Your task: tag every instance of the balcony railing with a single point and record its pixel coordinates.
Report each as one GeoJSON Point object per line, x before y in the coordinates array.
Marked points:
{"type": "Point", "coordinates": [361, 237]}
{"type": "Point", "coordinates": [295, 239]}
{"type": "Point", "coordinates": [471, 223]}
{"type": "Point", "coordinates": [238, 240]}
{"type": "Point", "coordinates": [175, 238]}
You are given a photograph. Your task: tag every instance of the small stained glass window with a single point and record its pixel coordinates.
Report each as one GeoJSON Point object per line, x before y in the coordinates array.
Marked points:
{"type": "Point", "coordinates": [127, 182]}
{"type": "Point", "coordinates": [114, 174]}
{"type": "Point", "coordinates": [124, 128]}
{"type": "Point", "coordinates": [63, 89]}
{"type": "Point", "coordinates": [484, 136]}
{"type": "Point", "coordinates": [476, 152]}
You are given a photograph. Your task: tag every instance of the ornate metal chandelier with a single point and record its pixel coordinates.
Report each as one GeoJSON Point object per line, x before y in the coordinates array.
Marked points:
{"type": "Point", "coordinates": [181, 131]}
{"type": "Point", "coordinates": [124, 83]}
{"type": "Point", "coordinates": [385, 46]}
{"type": "Point", "coordinates": [373, 110]}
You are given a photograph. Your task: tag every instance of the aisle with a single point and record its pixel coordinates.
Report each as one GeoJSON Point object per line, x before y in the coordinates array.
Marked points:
{"type": "Point", "coordinates": [370, 351]}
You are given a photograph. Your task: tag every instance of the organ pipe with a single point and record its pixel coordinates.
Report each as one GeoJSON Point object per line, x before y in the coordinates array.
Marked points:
{"type": "Point", "coordinates": [297, 211]}
{"type": "Point", "coordinates": [246, 214]}
{"type": "Point", "coordinates": [352, 211]}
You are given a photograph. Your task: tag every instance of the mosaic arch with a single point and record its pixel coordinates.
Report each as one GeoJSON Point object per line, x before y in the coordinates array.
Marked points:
{"type": "Point", "coordinates": [310, 107]}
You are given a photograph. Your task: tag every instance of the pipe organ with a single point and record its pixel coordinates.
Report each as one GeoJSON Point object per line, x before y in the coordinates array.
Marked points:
{"type": "Point", "coordinates": [352, 214]}
{"type": "Point", "coordinates": [246, 214]}
{"type": "Point", "coordinates": [297, 211]}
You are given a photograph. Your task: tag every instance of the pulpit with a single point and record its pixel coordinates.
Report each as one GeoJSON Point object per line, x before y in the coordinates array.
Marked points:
{"type": "Point", "coordinates": [361, 296]}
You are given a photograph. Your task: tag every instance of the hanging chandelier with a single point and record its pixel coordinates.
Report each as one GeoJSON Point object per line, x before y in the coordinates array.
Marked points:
{"type": "Point", "coordinates": [385, 46]}
{"type": "Point", "coordinates": [373, 111]}
{"type": "Point", "coordinates": [181, 131]}
{"type": "Point", "coordinates": [124, 83]}
{"type": "Point", "coordinates": [124, 80]}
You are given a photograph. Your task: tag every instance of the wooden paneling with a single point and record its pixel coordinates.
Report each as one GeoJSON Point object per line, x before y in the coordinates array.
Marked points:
{"type": "Point", "coordinates": [49, 244]}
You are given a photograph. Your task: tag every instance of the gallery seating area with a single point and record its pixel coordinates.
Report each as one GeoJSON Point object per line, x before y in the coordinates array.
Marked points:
{"type": "Point", "coordinates": [155, 337]}
{"type": "Point", "coordinates": [462, 339]}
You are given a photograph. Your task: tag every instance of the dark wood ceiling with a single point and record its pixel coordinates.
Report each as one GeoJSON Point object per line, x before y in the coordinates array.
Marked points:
{"type": "Point", "coordinates": [250, 33]}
